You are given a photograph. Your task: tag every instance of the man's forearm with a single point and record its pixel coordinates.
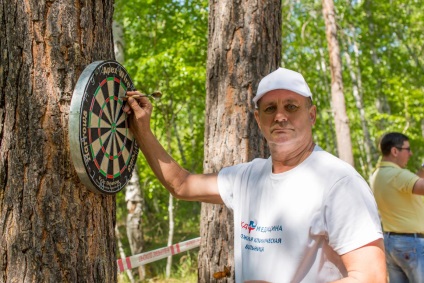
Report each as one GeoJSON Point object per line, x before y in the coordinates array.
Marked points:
{"type": "Point", "coordinates": [166, 169]}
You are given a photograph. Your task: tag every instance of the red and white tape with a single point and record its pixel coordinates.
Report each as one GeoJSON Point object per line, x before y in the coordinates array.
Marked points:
{"type": "Point", "coordinates": [145, 258]}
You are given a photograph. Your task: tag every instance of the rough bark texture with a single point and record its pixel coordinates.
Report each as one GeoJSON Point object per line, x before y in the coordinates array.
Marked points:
{"type": "Point", "coordinates": [344, 143]}
{"type": "Point", "coordinates": [134, 226]}
{"type": "Point", "coordinates": [244, 46]}
{"type": "Point", "coordinates": [52, 229]}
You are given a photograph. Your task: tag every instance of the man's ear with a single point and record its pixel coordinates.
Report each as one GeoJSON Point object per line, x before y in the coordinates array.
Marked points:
{"type": "Point", "coordinates": [394, 151]}
{"type": "Point", "coordinates": [257, 118]}
{"type": "Point", "coordinates": [313, 114]}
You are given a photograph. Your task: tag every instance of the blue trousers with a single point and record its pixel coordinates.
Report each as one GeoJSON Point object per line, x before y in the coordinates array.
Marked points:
{"type": "Point", "coordinates": [404, 258]}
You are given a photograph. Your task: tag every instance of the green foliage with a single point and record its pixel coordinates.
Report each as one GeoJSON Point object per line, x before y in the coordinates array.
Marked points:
{"type": "Point", "coordinates": [166, 47]}
{"type": "Point", "coordinates": [165, 50]}
{"type": "Point", "coordinates": [389, 39]}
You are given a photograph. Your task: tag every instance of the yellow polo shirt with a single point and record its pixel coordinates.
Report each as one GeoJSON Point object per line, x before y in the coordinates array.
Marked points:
{"type": "Point", "coordinates": [400, 210]}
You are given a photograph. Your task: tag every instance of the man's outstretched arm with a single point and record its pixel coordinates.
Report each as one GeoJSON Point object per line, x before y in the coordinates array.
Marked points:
{"type": "Point", "coordinates": [178, 181]}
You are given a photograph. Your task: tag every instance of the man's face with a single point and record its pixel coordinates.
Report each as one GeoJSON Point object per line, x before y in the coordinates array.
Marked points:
{"type": "Point", "coordinates": [285, 117]}
{"type": "Point", "coordinates": [403, 154]}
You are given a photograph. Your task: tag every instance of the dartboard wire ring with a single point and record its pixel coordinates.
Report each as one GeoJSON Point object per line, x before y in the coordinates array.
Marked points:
{"type": "Point", "coordinates": [98, 126]}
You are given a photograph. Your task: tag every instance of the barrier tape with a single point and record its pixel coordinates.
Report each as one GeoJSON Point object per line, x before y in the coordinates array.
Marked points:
{"type": "Point", "coordinates": [148, 257]}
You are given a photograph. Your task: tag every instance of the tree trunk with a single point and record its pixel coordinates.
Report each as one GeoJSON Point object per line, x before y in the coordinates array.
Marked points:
{"type": "Point", "coordinates": [365, 140]}
{"type": "Point", "coordinates": [135, 211]}
{"type": "Point", "coordinates": [170, 198]}
{"type": "Point", "coordinates": [52, 229]}
{"type": "Point", "coordinates": [344, 143]}
{"type": "Point", "coordinates": [244, 46]}
{"type": "Point", "coordinates": [170, 234]}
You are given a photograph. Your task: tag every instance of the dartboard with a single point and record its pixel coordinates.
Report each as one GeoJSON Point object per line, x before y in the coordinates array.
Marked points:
{"type": "Point", "coordinates": [102, 146]}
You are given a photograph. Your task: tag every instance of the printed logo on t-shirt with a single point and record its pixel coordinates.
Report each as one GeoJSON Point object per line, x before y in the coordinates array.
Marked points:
{"type": "Point", "coordinates": [251, 226]}
{"type": "Point", "coordinates": [260, 237]}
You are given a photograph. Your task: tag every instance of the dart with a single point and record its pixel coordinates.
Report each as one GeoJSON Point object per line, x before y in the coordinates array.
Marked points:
{"type": "Point", "coordinates": [155, 95]}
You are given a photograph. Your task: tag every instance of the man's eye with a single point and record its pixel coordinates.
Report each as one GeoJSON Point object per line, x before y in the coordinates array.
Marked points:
{"type": "Point", "coordinates": [291, 107]}
{"type": "Point", "coordinates": [269, 109]}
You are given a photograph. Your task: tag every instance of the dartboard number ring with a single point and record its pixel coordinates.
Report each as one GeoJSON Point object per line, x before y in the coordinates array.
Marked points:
{"type": "Point", "coordinates": [103, 149]}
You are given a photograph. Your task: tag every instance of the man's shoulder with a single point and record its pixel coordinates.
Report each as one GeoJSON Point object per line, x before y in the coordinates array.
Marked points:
{"type": "Point", "coordinates": [322, 159]}
{"type": "Point", "coordinates": [391, 169]}
{"type": "Point", "coordinates": [389, 174]}
{"type": "Point", "coordinates": [255, 164]}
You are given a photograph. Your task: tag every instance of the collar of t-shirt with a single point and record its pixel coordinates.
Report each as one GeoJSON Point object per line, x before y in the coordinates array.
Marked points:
{"type": "Point", "coordinates": [387, 164]}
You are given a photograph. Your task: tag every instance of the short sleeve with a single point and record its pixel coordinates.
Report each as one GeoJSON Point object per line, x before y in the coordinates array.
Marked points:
{"type": "Point", "coordinates": [404, 181]}
{"type": "Point", "coordinates": [351, 215]}
{"type": "Point", "coordinates": [226, 185]}
{"type": "Point", "coordinates": [230, 181]}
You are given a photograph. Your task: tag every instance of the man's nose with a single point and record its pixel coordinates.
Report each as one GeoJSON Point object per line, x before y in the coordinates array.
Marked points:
{"type": "Point", "coordinates": [280, 116]}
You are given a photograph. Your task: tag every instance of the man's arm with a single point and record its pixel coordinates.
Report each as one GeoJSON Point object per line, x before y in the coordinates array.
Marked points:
{"type": "Point", "coordinates": [418, 188]}
{"type": "Point", "coordinates": [178, 181]}
{"type": "Point", "coordinates": [420, 172]}
{"type": "Point", "coordinates": [366, 264]}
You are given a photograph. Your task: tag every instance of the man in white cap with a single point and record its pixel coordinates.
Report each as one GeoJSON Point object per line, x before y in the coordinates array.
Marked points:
{"type": "Point", "coordinates": [302, 215]}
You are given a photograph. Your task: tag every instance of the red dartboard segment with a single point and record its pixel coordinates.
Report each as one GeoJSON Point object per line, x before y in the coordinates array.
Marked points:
{"type": "Point", "coordinates": [103, 148]}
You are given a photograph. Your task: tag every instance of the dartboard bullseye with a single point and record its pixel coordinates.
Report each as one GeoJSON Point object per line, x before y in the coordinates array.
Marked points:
{"type": "Point", "coordinates": [103, 149]}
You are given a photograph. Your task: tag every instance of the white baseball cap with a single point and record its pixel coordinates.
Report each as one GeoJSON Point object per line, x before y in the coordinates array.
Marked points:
{"type": "Point", "coordinates": [282, 79]}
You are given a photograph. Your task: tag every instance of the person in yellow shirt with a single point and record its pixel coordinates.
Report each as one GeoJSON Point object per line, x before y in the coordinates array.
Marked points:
{"type": "Point", "coordinates": [398, 193]}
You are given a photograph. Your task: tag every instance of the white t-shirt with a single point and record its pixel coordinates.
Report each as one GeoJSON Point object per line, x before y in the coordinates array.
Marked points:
{"type": "Point", "coordinates": [293, 226]}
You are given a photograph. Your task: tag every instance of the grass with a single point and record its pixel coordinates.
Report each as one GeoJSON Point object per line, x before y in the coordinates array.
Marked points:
{"type": "Point", "coordinates": [184, 269]}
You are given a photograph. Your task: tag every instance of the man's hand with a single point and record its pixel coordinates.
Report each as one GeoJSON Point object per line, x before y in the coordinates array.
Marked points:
{"type": "Point", "coordinates": [139, 110]}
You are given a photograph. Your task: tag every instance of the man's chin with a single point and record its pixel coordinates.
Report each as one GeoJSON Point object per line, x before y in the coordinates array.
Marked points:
{"type": "Point", "coordinates": [288, 141]}
{"type": "Point", "coordinates": [283, 142]}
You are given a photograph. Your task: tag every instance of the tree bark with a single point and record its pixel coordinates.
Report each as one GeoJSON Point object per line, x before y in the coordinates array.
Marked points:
{"type": "Point", "coordinates": [364, 141]}
{"type": "Point", "coordinates": [135, 211]}
{"type": "Point", "coordinates": [52, 229]}
{"type": "Point", "coordinates": [244, 46]}
{"type": "Point", "coordinates": [344, 143]}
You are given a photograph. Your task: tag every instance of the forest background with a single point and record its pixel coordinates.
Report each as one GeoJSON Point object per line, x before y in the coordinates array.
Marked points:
{"type": "Point", "coordinates": [165, 48]}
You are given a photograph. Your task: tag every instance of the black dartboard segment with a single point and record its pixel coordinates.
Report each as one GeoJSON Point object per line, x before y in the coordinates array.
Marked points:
{"type": "Point", "coordinates": [103, 148]}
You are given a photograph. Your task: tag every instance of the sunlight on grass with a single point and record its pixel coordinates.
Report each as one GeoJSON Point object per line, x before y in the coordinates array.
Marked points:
{"type": "Point", "coordinates": [184, 269]}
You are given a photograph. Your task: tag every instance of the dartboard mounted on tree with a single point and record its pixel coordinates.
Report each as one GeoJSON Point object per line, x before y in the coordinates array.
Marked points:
{"type": "Point", "coordinates": [103, 149]}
